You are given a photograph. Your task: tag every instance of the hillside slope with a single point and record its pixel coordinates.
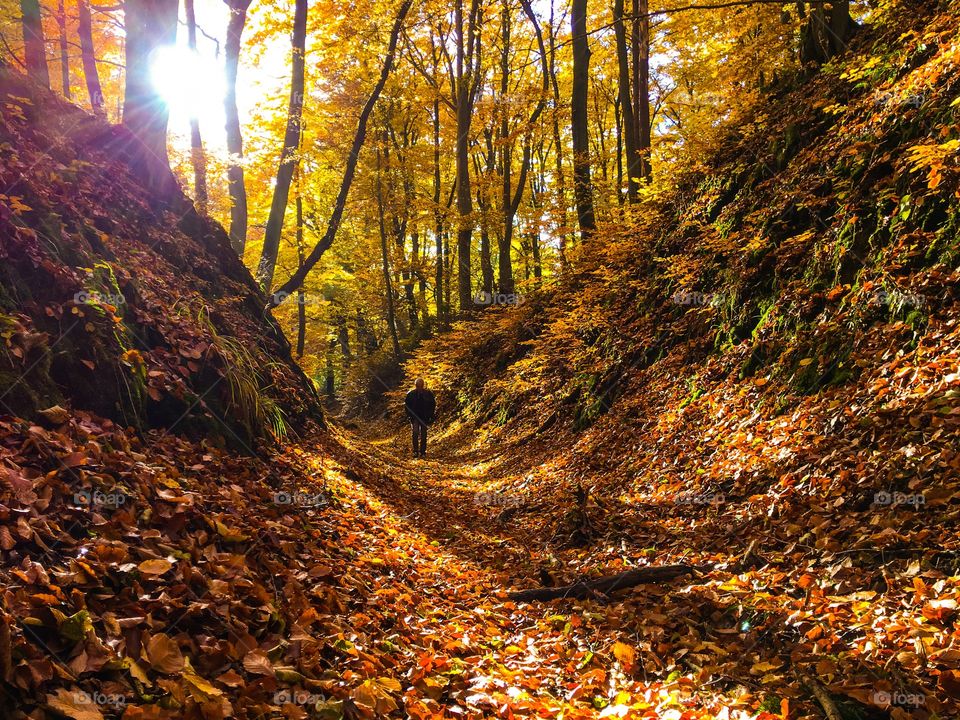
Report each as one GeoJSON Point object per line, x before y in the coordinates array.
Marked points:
{"type": "Point", "coordinates": [117, 297]}
{"type": "Point", "coordinates": [812, 261]}
{"type": "Point", "coordinates": [759, 372]}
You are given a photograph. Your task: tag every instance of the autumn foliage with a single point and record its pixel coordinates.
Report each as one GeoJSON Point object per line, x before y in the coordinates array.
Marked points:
{"type": "Point", "coordinates": [750, 376]}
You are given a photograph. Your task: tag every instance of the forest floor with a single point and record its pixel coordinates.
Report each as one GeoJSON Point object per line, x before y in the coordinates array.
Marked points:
{"type": "Point", "coordinates": [733, 641]}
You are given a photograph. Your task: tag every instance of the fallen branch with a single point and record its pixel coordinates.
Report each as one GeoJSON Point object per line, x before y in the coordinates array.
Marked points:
{"type": "Point", "coordinates": [822, 696]}
{"type": "Point", "coordinates": [606, 584]}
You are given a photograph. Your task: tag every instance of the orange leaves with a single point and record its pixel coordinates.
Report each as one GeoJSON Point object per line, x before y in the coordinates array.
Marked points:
{"type": "Point", "coordinates": [934, 159]}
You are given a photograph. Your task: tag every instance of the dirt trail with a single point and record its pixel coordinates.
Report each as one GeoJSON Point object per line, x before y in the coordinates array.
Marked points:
{"type": "Point", "coordinates": [464, 649]}
{"type": "Point", "coordinates": [741, 641]}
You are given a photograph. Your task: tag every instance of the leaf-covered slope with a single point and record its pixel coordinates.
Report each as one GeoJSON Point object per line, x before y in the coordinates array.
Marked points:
{"type": "Point", "coordinates": [116, 296]}
{"type": "Point", "coordinates": [826, 222]}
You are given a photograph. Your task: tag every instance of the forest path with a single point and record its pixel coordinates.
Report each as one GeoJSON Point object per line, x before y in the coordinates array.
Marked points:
{"type": "Point", "coordinates": [440, 561]}
{"type": "Point", "coordinates": [429, 540]}
{"type": "Point", "coordinates": [442, 495]}
{"type": "Point", "coordinates": [766, 641]}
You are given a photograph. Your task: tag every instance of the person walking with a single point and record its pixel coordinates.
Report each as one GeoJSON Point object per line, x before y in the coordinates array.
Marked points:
{"type": "Point", "coordinates": [421, 407]}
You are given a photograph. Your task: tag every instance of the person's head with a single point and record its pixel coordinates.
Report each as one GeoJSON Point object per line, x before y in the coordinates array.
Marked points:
{"type": "Point", "coordinates": [420, 384]}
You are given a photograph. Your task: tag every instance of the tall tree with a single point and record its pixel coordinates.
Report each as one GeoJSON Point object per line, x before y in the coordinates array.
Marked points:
{"type": "Point", "coordinates": [512, 198]}
{"type": "Point", "coordinates": [582, 190]}
{"type": "Point", "coordinates": [467, 66]}
{"type": "Point", "coordinates": [301, 296]}
{"type": "Point", "coordinates": [288, 156]}
{"type": "Point", "coordinates": [640, 46]}
{"type": "Point", "coordinates": [235, 180]}
{"type": "Point", "coordinates": [561, 198]}
{"type": "Point", "coordinates": [438, 228]}
{"type": "Point", "coordinates": [149, 24]}
{"type": "Point", "coordinates": [827, 31]}
{"type": "Point", "coordinates": [385, 258]}
{"type": "Point", "coordinates": [336, 216]}
{"type": "Point", "coordinates": [626, 105]}
{"type": "Point", "coordinates": [88, 58]}
{"type": "Point", "coordinates": [197, 156]}
{"type": "Point", "coordinates": [64, 56]}
{"type": "Point", "coordinates": [34, 46]}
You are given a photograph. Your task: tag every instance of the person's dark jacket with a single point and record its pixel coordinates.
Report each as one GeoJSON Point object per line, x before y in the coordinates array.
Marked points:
{"type": "Point", "coordinates": [421, 405]}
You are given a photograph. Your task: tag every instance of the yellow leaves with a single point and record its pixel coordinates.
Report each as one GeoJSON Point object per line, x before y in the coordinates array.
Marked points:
{"type": "Point", "coordinates": [134, 359]}
{"type": "Point", "coordinates": [933, 158]}
{"type": "Point", "coordinates": [200, 688]}
{"type": "Point", "coordinates": [157, 566]}
{"type": "Point", "coordinates": [375, 694]}
{"type": "Point", "coordinates": [229, 534]}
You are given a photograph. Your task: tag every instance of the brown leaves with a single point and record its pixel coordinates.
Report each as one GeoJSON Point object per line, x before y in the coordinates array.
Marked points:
{"type": "Point", "coordinates": [74, 704]}
{"type": "Point", "coordinates": [257, 663]}
{"type": "Point", "coordinates": [164, 654]}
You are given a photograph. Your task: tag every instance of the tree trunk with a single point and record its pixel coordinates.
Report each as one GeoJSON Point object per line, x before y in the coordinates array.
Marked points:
{"type": "Point", "coordinates": [464, 104]}
{"type": "Point", "coordinates": [149, 24]}
{"type": "Point", "coordinates": [385, 256]}
{"type": "Point", "coordinates": [437, 218]}
{"type": "Point", "coordinates": [618, 126]}
{"type": "Point", "coordinates": [288, 156]}
{"type": "Point", "coordinates": [34, 47]}
{"type": "Point", "coordinates": [301, 296]}
{"type": "Point", "coordinates": [486, 264]}
{"type": "Point", "coordinates": [64, 58]}
{"type": "Point", "coordinates": [197, 156]}
{"type": "Point", "coordinates": [88, 59]}
{"type": "Point", "coordinates": [582, 190]}
{"type": "Point", "coordinates": [629, 133]}
{"type": "Point", "coordinates": [330, 383]}
{"type": "Point", "coordinates": [419, 258]}
{"type": "Point", "coordinates": [400, 220]}
{"type": "Point", "coordinates": [235, 181]}
{"type": "Point", "coordinates": [842, 26]}
{"type": "Point", "coordinates": [557, 145]}
{"type": "Point", "coordinates": [505, 241]}
{"type": "Point", "coordinates": [827, 32]}
{"type": "Point", "coordinates": [640, 37]}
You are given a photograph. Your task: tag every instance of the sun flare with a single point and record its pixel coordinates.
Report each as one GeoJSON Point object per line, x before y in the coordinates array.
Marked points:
{"type": "Point", "coordinates": [191, 84]}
